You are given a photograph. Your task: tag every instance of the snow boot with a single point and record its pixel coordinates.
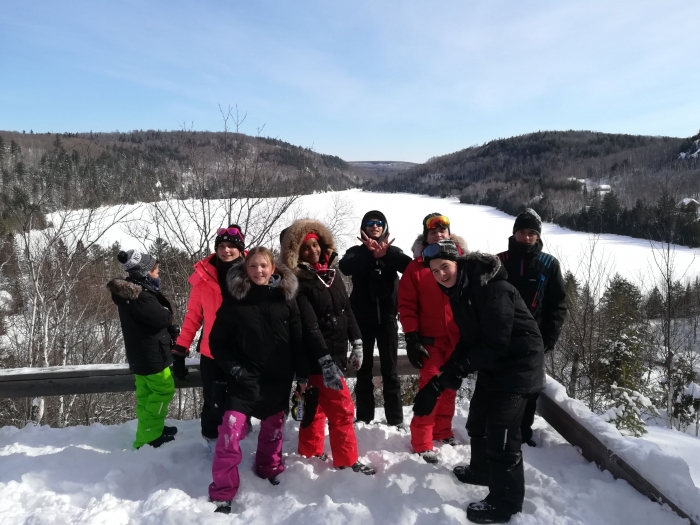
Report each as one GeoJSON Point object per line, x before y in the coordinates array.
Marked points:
{"type": "Point", "coordinates": [169, 431]}
{"type": "Point", "coordinates": [429, 456]}
{"type": "Point", "coordinates": [361, 467]}
{"type": "Point", "coordinates": [222, 507]}
{"type": "Point", "coordinates": [530, 443]}
{"type": "Point", "coordinates": [274, 481]}
{"type": "Point", "coordinates": [401, 428]}
{"type": "Point", "coordinates": [322, 456]}
{"type": "Point", "coordinates": [160, 441]}
{"type": "Point", "coordinates": [483, 512]}
{"type": "Point", "coordinates": [451, 441]}
{"type": "Point", "coordinates": [464, 474]}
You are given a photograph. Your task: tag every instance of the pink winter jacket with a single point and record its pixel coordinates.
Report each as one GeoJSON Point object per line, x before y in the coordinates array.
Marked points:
{"type": "Point", "coordinates": [205, 299]}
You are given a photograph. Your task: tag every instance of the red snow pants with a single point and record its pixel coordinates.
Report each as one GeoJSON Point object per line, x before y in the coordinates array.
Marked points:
{"type": "Point", "coordinates": [437, 425]}
{"type": "Point", "coordinates": [337, 406]}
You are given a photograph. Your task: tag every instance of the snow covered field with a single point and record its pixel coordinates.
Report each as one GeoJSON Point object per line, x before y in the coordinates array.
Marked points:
{"type": "Point", "coordinates": [90, 475]}
{"type": "Point", "coordinates": [484, 228]}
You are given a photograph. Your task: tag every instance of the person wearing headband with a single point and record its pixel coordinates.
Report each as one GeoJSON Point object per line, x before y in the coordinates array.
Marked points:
{"type": "Point", "coordinates": [374, 267]}
{"type": "Point", "coordinates": [207, 281]}
{"type": "Point", "coordinates": [500, 340]}
{"type": "Point", "coordinates": [431, 334]}
{"type": "Point", "coordinates": [328, 326]}
{"type": "Point", "coordinates": [537, 276]}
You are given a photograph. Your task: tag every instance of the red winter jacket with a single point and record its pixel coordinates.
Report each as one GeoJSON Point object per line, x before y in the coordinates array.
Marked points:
{"type": "Point", "coordinates": [423, 307]}
{"type": "Point", "coordinates": [202, 305]}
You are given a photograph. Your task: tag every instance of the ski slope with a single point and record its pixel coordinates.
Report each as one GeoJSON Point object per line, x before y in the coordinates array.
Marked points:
{"type": "Point", "coordinates": [82, 475]}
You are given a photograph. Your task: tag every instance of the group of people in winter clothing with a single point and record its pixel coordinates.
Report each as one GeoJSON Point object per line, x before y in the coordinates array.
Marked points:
{"type": "Point", "coordinates": [266, 323]}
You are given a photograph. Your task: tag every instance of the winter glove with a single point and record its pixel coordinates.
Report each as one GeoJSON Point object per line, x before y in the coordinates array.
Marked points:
{"type": "Point", "coordinates": [356, 355]}
{"type": "Point", "coordinates": [174, 331]}
{"type": "Point", "coordinates": [332, 376]}
{"type": "Point", "coordinates": [242, 384]}
{"type": "Point", "coordinates": [451, 375]}
{"type": "Point", "coordinates": [416, 352]}
{"type": "Point", "coordinates": [181, 350]}
{"type": "Point", "coordinates": [426, 398]}
{"type": "Point", "coordinates": [179, 368]}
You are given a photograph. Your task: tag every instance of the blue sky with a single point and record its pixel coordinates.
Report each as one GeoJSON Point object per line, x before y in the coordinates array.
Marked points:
{"type": "Point", "coordinates": [365, 80]}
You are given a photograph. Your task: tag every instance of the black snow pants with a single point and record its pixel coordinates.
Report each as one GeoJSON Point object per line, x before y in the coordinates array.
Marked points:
{"type": "Point", "coordinates": [214, 380]}
{"type": "Point", "coordinates": [387, 337]}
{"type": "Point", "coordinates": [529, 417]}
{"type": "Point", "coordinates": [493, 426]}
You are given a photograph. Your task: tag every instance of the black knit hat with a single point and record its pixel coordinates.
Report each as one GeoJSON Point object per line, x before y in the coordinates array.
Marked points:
{"type": "Point", "coordinates": [425, 228]}
{"type": "Point", "coordinates": [528, 220]}
{"type": "Point", "coordinates": [238, 240]}
{"type": "Point", "coordinates": [376, 214]}
{"type": "Point", "coordinates": [444, 249]}
{"type": "Point", "coordinates": [136, 263]}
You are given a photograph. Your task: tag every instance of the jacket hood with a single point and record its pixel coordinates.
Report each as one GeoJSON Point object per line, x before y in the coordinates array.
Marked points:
{"type": "Point", "coordinates": [484, 267]}
{"type": "Point", "coordinates": [419, 243]}
{"type": "Point", "coordinates": [294, 236]}
{"type": "Point", "coordinates": [378, 215]}
{"type": "Point", "coordinates": [203, 270]}
{"type": "Point", "coordinates": [239, 284]}
{"type": "Point", "coordinates": [124, 289]}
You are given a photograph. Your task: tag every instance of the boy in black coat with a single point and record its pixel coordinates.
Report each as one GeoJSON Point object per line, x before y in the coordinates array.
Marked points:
{"type": "Point", "coordinates": [500, 340]}
{"type": "Point", "coordinates": [537, 276]}
{"type": "Point", "coordinates": [146, 317]}
{"type": "Point", "coordinates": [374, 266]}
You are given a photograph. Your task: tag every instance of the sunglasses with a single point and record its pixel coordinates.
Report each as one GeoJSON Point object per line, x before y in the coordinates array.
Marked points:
{"type": "Point", "coordinates": [374, 222]}
{"type": "Point", "coordinates": [437, 222]}
{"type": "Point", "coordinates": [445, 247]}
{"type": "Point", "coordinates": [230, 231]}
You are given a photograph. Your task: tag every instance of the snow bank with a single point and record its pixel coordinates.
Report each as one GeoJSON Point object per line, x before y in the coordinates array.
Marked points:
{"type": "Point", "coordinates": [81, 475]}
{"type": "Point", "coordinates": [667, 471]}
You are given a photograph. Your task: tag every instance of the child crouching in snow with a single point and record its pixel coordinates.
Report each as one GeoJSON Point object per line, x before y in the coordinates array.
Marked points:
{"type": "Point", "coordinates": [256, 338]}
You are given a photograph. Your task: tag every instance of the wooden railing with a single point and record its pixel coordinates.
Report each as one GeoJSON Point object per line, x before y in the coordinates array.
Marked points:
{"type": "Point", "coordinates": [92, 379]}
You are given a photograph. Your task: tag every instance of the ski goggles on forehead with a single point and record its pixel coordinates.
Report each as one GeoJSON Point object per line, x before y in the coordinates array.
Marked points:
{"type": "Point", "coordinates": [445, 248]}
{"type": "Point", "coordinates": [374, 222]}
{"type": "Point", "coordinates": [230, 231]}
{"type": "Point", "coordinates": [437, 222]}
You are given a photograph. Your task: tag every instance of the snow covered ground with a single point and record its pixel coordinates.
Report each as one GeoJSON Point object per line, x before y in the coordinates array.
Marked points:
{"type": "Point", "coordinates": [676, 443]}
{"type": "Point", "coordinates": [484, 228]}
{"type": "Point", "coordinates": [90, 475]}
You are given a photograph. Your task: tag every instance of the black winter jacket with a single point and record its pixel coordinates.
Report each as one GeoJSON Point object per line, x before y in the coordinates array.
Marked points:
{"type": "Point", "coordinates": [498, 336]}
{"type": "Point", "coordinates": [145, 315]}
{"type": "Point", "coordinates": [328, 320]}
{"type": "Point", "coordinates": [537, 276]}
{"type": "Point", "coordinates": [375, 282]}
{"type": "Point", "coordinates": [258, 328]}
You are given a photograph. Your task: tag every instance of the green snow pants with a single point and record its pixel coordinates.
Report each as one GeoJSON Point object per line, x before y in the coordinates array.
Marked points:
{"type": "Point", "coordinates": [153, 395]}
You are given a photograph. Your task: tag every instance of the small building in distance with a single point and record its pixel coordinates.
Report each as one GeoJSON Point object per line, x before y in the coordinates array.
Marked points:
{"type": "Point", "coordinates": [690, 205]}
{"type": "Point", "coordinates": [603, 188]}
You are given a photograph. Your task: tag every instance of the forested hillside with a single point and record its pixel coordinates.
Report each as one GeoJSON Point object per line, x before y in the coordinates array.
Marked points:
{"type": "Point", "coordinates": [563, 175]}
{"type": "Point", "coordinates": [70, 170]}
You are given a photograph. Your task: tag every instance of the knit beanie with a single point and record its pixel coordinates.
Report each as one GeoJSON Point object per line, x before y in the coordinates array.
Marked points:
{"type": "Point", "coordinates": [237, 240]}
{"type": "Point", "coordinates": [425, 227]}
{"type": "Point", "coordinates": [528, 220]}
{"type": "Point", "coordinates": [444, 249]}
{"type": "Point", "coordinates": [135, 263]}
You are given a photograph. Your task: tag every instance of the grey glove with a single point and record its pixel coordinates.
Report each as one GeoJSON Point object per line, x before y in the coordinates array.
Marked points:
{"type": "Point", "coordinates": [332, 376]}
{"type": "Point", "coordinates": [356, 355]}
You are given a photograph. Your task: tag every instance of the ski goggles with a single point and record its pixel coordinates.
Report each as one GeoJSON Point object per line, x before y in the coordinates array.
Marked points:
{"type": "Point", "coordinates": [445, 249]}
{"type": "Point", "coordinates": [437, 222]}
{"type": "Point", "coordinates": [374, 222]}
{"type": "Point", "coordinates": [235, 232]}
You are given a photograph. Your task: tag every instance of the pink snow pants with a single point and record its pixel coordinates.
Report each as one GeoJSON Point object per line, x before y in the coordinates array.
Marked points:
{"type": "Point", "coordinates": [227, 456]}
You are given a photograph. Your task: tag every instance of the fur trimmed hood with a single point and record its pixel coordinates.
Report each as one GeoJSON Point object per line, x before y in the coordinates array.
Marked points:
{"type": "Point", "coordinates": [239, 284]}
{"type": "Point", "coordinates": [124, 289]}
{"type": "Point", "coordinates": [417, 247]}
{"type": "Point", "coordinates": [294, 235]}
{"type": "Point", "coordinates": [487, 265]}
